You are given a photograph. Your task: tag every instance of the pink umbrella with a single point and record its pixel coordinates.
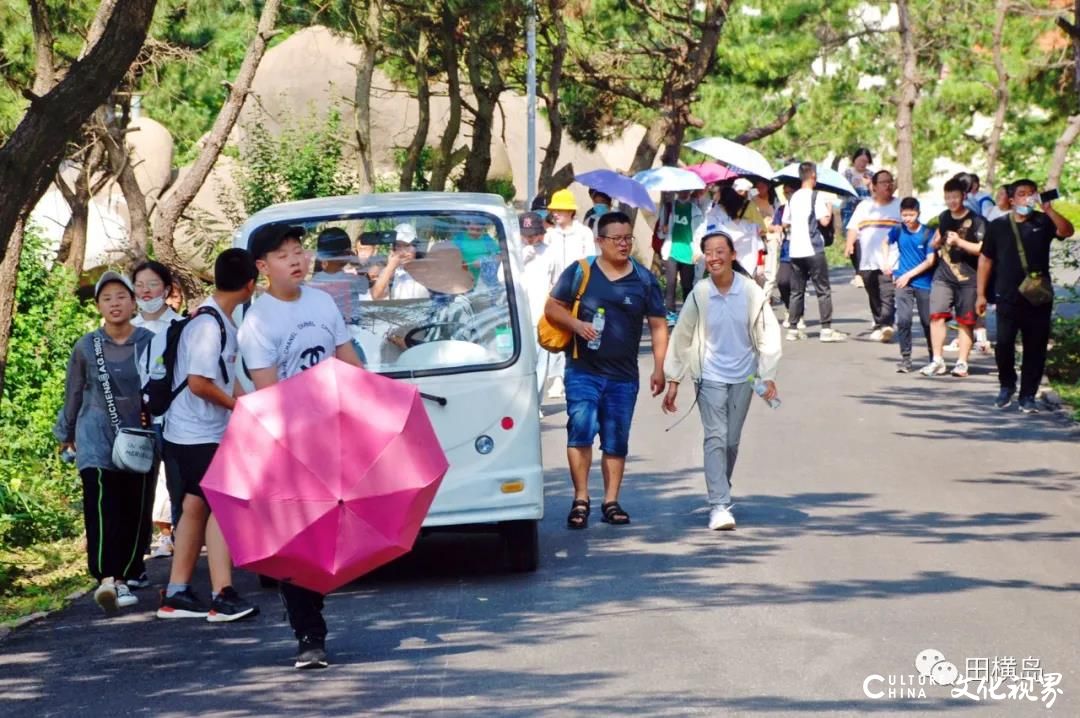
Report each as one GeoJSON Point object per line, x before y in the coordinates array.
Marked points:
{"type": "Point", "coordinates": [711, 172]}
{"type": "Point", "coordinates": [325, 476]}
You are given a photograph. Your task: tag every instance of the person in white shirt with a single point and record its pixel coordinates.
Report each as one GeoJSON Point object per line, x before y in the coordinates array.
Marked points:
{"type": "Point", "coordinates": [289, 329]}
{"type": "Point", "coordinates": [204, 379]}
{"type": "Point", "coordinates": [804, 215]}
{"type": "Point", "coordinates": [1002, 203]}
{"type": "Point", "coordinates": [394, 281]}
{"type": "Point", "coordinates": [869, 226]}
{"type": "Point", "coordinates": [744, 232]}
{"type": "Point", "coordinates": [568, 241]}
{"type": "Point", "coordinates": [726, 339]}
{"type": "Point", "coordinates": [153, 283]}
{"type": "Point", "coordinates": [539, 275]}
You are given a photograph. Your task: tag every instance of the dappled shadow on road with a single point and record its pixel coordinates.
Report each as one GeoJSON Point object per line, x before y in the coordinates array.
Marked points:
{"type": "Point", "coordinates": [1036, 479]}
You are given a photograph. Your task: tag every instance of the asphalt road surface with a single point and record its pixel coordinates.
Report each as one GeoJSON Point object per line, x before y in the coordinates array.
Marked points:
{"type": "Point", "coordinates": [880, 515]}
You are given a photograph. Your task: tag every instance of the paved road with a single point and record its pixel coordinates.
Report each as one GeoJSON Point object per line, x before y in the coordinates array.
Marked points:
{"type": "Point", "coordinates": [880, 515]}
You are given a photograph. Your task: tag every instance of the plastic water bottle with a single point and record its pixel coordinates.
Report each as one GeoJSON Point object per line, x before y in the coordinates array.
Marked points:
{"type": "Point", "coordinates": [67, 456]}
{"type": "Point", "coordinates": [598, 325]}
{"type": "Point", "coordinates": [760, 388]}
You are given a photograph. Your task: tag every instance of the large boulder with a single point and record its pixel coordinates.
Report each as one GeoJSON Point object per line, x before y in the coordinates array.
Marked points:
{"type": "Point", "coordinates": [151, 148]}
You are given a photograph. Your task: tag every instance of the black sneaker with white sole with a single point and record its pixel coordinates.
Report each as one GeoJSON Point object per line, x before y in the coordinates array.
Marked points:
{"type": "Point", "coordinates": [137, 583]}
{"type": "Point", "coordinates": [1004, 398]}
{"type": "Point", "coordinates": [1028, 406]}
{"type": "Point", "coordinates": [182, 605]}
{"type": "Point", "coordinates": [229, 606]}
{"type": "Point", "coordinates": [311, 654]}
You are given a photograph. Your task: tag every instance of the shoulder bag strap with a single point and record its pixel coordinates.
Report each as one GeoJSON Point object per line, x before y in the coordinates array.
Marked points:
{"type": "Point", "coordinates": [106, 383]}
{"type": "Point", "coordinates": [586, 269]}
{"type": "Point", "coordinates": [1019, 244]}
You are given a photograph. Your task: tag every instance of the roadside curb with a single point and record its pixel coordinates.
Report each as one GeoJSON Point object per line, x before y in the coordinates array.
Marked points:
{"type": "Point", "coordinates": [10, 628]}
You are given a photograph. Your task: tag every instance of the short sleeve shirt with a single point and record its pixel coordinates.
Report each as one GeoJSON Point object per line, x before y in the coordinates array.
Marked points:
{"type": "Point", "coordinates": [1036, 233]}
{"type": "Point", "coordinates": [797, 217]}
{"type": "Point", "coordinates": [914, 248]}
{"type": "Point", "coordinates": [873, 221]}
{"type": "Point", "coordinates": [292, 336]}
{"type": "Point", "coordinates": [627, 302]}
{"type": "Point", "coordinates": [954, 264]}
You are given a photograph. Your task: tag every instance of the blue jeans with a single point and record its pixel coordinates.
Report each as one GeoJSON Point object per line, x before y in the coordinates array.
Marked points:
{"type": "Point", "coordinates": [598, 405]}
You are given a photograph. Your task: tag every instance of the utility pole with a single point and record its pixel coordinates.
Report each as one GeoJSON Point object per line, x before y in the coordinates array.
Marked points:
{"type": "Point", "coordinates": [530, 162]}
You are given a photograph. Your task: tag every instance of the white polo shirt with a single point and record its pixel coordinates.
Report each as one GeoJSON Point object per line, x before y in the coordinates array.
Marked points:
{"type": "Point", "coordinates": [729, 351]}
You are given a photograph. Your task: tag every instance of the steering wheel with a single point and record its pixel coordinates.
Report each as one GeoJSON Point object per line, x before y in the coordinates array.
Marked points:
{"type": "Point", "coordinates": [412, 339]}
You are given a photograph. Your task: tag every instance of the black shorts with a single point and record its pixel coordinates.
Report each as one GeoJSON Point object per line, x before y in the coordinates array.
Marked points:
{"type": "Point", "coordinates": [949, 299]}
{"type": "Point", "coordinates": [191, 462]}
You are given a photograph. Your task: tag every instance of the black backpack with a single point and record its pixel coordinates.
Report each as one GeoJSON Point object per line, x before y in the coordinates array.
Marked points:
{"type": "Point", "coordinates": [160, 366]}
{"type": "Point", "coordinates": [828, 232]}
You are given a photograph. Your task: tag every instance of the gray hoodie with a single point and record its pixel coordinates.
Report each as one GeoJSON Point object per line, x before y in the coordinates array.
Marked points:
{"type": "Point", "coordinates": [84, 418]}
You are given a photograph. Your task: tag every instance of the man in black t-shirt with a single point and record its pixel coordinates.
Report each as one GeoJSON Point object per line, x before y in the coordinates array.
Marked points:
{"type": "Point", "coordinates": [1016, 315]}
{"type": "Point", "coordinates": [602, 379]}
{"type": "Point", "coordinates": [958, 241]}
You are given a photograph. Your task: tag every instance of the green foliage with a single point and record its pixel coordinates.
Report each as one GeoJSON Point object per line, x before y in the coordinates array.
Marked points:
{"type": "Point", "coordinates": [38, 491]}
{"type": "Point", "coordinates": [421, 177]}
{"type": "Point", "coordinates": [303, 162]}
{"type": "Point", "coordinates": [502, 186]}
{"type": "Point", "coordinates": [1063, 357]}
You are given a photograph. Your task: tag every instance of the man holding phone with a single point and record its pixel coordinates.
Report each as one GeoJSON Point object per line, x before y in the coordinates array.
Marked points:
{"type": "Point", "coordinates": [1017, 246]}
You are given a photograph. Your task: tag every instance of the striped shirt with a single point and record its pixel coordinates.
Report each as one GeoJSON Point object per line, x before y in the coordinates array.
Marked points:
{"type": "Point", "coordinates": [873, 222]}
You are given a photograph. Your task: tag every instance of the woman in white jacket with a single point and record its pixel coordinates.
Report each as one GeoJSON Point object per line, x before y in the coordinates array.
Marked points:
{"type": "Point", "coordinates": [725, 337]}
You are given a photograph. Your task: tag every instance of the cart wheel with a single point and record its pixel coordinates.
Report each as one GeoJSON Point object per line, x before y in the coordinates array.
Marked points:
{"type": "Point", "coordinates": [521, 545]}
{"type": "Point", "coordinates": [267, 582]}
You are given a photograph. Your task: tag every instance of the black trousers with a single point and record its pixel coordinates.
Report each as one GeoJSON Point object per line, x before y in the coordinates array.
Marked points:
{"type": "Point", "coordinates": [783, 282]}
{"type": "Point", "coordinates": [305, 608]}
{"type": "Point", "coordinates": [116, 525]}
{"type": "Point", "coordinates": [1033, 325]}
{"type": "Point", "coordinates": [684, 273]}
{"type": "Point", "coordinates": [881, 292]}
{"type": "Point", "coordinates": [815, 269]}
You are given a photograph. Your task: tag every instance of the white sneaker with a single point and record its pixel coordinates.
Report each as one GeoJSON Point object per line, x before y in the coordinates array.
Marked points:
{"type": "Point", "coordinates": [801, 324]}
{"type": "Point", "coordinates": [105, 595]}
{"type": "Point", "coordinates": [953, 346]}
{"type": "Point", "coordinates": [164, 548]}
{"type": "Point", "coordinates": [786, 324]}
{"type": "Point", "coordinates": [984, 347]}
{"type": "Point", "coordinates": [830, 335]}
{"type": "Point", "coordinates": [875, 336]}
{"type": "Point", "coordinates": [934, 368]}
{"type": "Point", "coordinates": [887, 334]}
{"type": "Point", "coordinates": [794, 335]}
{"type": "Point", "coordinates": [857, 281]}
{"type": "Point", "coordinates": [124, 596]}
{"type": "Point", "coordinates": [558, 389]}
{"type": "Point", "coordinates": [720, 519]}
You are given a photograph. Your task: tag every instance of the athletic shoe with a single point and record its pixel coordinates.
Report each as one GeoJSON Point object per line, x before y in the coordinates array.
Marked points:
{"type": "Point", "coordinates": [904, 367]}
{"type": "Point", "coordinates": [124, 596]}
{"type": "Point", "coordinates": [720, 519]}
{"type": "Point", "coordinates": [875, 336]}
{"type": "Point", "coordinates": [830, 335]}
{"type": "Point", "coordinates": [886, 334]}
{"type": "Point", "coordinates": [105, 595]}
{"type": "Point", "coordinates": [1027, 405]}
{"type": "Point", "coordinates": [164, 548]}
{"type": "Point", "coordinates": [311, 654]}
{"type": "Point", "coordinates": [984, 347]}
{"type": "Point", "coordinates": [794, 335]}
{"type": "Point", "coordinates": [229, 606]}
{"type": "Point", "coordinates": [786, 324]}
{"type": "Point", "coordinates": [934, 368]}
{"type": "Point", "coordinates": [558, 389]}
{"type": "Point", "coordinates": [182, 605]}
{"type": "Point", "coordinates": [953, 346]}
{"type": "Point", "coordinates": [857, 281]}
{"type": "Point", "coordinates": [960, 369]}
{"type": "Point", "coordinates": [1004, 398]}
{"type": "Point", "coordinates": [140, 582]}
{"type": "Point", "coordinates": [801, 324]}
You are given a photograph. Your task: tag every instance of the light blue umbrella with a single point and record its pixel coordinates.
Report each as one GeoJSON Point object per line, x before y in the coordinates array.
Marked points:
{"type": "Point", "coordinates": [617, 186]}
{"type": "Point", "coordinates": [828, 179]}
{"type": "Point", "coordinates": [669, 179]}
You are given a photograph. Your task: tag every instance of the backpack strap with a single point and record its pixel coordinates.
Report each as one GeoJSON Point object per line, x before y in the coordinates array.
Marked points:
{"type": "Point", "coordinates": [221, 356]}
{"type": "Point", "coordinates": [582, 274]}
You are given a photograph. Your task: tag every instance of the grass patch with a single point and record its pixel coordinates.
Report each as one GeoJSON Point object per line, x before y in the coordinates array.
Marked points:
{"type": "Point", "coordinates": [1070, 394]}
{"type": "Point", "coordinates": [40, 577]}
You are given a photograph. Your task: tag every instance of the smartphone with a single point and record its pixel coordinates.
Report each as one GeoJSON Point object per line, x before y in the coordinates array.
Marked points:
{"type": "Point", "coordinates": [1049, 195]}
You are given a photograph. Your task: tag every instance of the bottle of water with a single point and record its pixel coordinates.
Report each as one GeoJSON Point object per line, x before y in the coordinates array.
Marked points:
{"type": "Point", "coordinates": [598, 325]}
{"type": "Point", "coordinates": [760, 388]}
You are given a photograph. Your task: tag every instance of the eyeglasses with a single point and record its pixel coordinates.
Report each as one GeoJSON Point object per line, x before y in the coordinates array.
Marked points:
{"type": "Point", "coordinates": [623, 239]}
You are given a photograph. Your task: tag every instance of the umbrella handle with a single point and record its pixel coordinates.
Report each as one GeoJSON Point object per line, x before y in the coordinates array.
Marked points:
{"type": "Point", "coordinates": [440, 400]}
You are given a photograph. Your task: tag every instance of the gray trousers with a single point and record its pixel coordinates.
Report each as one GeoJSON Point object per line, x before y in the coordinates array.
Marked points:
{"type": "Point", "coordinates": [723, 410]}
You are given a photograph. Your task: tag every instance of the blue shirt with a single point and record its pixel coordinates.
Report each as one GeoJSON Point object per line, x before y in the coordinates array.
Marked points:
{"type": "Point", "coordinates": [915, 247]}
{"type": "Point", "coordinates": [626, 302]}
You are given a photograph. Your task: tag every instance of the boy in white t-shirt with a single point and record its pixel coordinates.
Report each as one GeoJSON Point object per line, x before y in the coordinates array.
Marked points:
{"type": "Point", "coordinates": [204, 383]}
{"type": "Point", "coordinates": [288, 330]}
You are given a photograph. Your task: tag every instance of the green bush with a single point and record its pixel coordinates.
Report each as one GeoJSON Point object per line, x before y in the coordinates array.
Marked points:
{"type": "Point", "coordinates": [1063, 358]}
{"type": "Point", "coordinates": [503, 187]}
{"type": "Point", "coordinates": [38, 493]}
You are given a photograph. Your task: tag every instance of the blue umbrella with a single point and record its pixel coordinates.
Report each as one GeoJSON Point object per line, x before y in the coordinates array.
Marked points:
{"type": "Point", "coordinates": [669, 179]}
{"type": "Point", "coordinates": [617, 186]}
{"type": "Point", "coordinates": [828, 179]}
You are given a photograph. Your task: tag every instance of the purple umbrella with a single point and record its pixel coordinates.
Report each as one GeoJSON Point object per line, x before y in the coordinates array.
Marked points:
{"type": "Point", "coordinates": [617, 186]}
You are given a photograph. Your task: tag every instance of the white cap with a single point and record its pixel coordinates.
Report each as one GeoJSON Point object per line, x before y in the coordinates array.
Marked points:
{"type": "Point", "coordinates": [406, 233]}
{"type": "Point", "coordinates": [110, 277]}
{"type": "Point", "coordinates": [743, 185]}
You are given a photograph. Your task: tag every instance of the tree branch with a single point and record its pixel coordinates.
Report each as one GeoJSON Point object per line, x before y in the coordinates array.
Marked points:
{"type": "Point", "coordinates": [776, 125]}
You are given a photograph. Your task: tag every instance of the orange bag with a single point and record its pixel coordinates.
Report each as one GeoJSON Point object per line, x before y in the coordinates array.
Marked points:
{"type": "Point", "coordinates": [557, 339]}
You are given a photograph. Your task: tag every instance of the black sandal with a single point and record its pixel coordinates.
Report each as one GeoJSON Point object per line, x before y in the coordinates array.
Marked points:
{"type": "Point", "coordinates": [614, 514]}
{"type": "Point", "coordinates": [579, 514]}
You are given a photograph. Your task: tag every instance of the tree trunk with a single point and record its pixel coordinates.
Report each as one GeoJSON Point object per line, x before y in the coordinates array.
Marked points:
{"type": "Point", "coordinates": [486, 92]}
{"type": "Point", "coordinates": [365, 72]}
{"type": "Point", "coordinates": [119, 156]}
{"type": "Point", "coordinates": [423, 122]}
{"type": "Point", "coordinates": [172, 207]}
{"type": "Point", "coordinates": [444, 159]}
{"type": "Point", "coordinates": [555, 125]}
{"type": "Point", "coordinates": [9, 280]}
{"type": "Point", "coordinates": [1001, 95]}
{"type": "Point", "coordinates": [28, 160]}
{"type": "Point", "coordinates": [905, 111]}
{"type": "Point", "coordinates": [44, 59]}
{"type": "Point", "coordinates": [1061, 151]}
{"type": "Point", "coordinates": [645, 154]}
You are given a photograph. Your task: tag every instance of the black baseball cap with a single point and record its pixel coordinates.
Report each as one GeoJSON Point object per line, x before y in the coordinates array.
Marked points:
{"type": "Point", "coordinates": [269, 237]}
{"type": "Point", "coordinates": [333, 243]}
{"type": "Point", "coordinates": [531, 224]}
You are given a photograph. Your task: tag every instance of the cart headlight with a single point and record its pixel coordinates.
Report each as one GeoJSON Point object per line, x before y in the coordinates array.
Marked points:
{"type": "Point", "coordinates": [485, 444]}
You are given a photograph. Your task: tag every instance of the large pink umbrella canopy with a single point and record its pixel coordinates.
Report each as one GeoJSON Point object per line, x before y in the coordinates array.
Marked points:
{"type": "Point", "coordinates": [325, 476]}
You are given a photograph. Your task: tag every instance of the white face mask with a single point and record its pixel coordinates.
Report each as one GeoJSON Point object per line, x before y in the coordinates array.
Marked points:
{"type": "Point", "coordinates": [151, 306]}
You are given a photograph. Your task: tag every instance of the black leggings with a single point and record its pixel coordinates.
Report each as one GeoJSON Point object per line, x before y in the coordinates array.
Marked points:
{"type": "Point", "coordinates": [783, 282]}
{"type": "Point", "coordinates": [116, 525]}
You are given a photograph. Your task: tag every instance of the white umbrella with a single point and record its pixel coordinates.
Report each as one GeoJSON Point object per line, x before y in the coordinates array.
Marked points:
{"type": "Point", "coordinates": [669, 179]}
{"type": "Point", "coordinates": [738, 157]}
